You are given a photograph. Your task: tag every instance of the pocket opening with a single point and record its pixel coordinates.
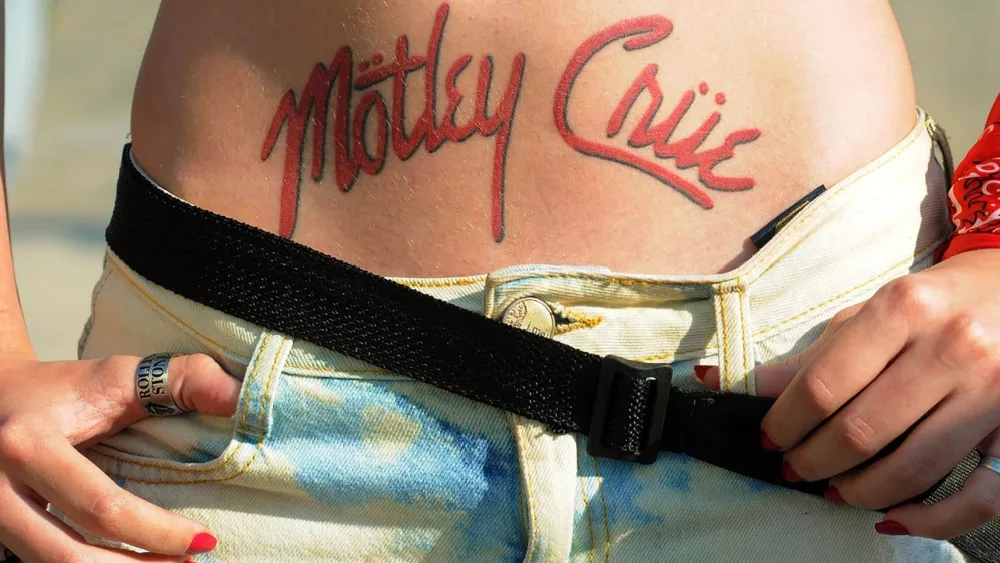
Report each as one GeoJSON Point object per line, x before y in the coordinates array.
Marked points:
{"type": "Point", "coordinates": [250, 429]}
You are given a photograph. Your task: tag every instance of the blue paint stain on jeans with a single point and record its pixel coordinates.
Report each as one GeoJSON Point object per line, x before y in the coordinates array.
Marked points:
{"type": "Point", "coordinates": [676, 474]}
{"type": "Point", "coordinates": [759, 486]}
{"type": "Point", "coordinates": [462, 475]}
{"type": "Point", "coordinates": [622, 488]}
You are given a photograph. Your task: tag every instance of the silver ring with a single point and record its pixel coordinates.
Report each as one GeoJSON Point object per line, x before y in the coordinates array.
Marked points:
{"type": "Point", "coordinates": [989, 462]}
{"type": "Point", "coordinates": [151, 385]}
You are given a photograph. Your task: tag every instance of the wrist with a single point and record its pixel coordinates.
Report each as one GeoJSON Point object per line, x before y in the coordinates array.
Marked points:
{"type": "Point", "coordinates": [15, 344]}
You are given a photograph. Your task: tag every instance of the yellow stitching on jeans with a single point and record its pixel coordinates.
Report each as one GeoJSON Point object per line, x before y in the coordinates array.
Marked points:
{"type": "Point", "coordinates": [522, 510]}
{"type": "Point", "coordinates": [585, 322]}
{"type": "Point", "coordinates": [246, 466]}
{"type": "Point", "coordinates": [532, 507]}
{"type": "Point", "coordinates": [240, 429]}
{"type": "Point", "coordinates": [746, 345]}
{"type": "Point", "coordinates": [672, 355]}
{"type": "Point", "coordinates": [604, 507]}
{"type": "Point", "coordinates": [586, 507]}
{"type": "Point", "coordinates": [443, 283]}
{"type": "Point", "coordinates": [724, 349]}
{"type": "Point", "coordinates": [88, 326]}
{"type": "Point", "coordinates": [727, 289]}
{"type": "Point", "coordinates": [667, 356]}
{"type": "Point", "coordinates": [366, 371]}
{"type": "Point", "coordinates": [571, 327]}
{"type": "Point", "coordinates": [108, 270]}
{"type": "Point", "coordinates": [577, 320]}
{"type": "Point", "coordinates": [175, 317]}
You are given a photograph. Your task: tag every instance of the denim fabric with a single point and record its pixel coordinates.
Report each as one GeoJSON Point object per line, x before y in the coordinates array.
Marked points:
{"type": "Point", "coordinates": [330, 459]}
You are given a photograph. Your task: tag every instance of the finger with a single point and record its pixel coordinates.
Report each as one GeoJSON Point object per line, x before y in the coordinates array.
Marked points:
{"type": "Point", "coordinates": [930, 451]}
{"type": "Point", "coordinates": [886, 409]}
{"type": "Point", "coordinates": [841, 368]}
{"type": "Point", "coordinates": [772, 379]}
{"type": "Point", "coordinates": [196, 383]}
{"type": "Point", "coordinates": [975, 504]}
{"type": "Point", "coordinates": [33, 534]}
{"type": "Point", "coordinates": [62, 475]}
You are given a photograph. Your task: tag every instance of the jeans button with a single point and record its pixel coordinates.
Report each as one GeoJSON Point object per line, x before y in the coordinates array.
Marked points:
{"type": "Point", "coordinates": [531, 314]}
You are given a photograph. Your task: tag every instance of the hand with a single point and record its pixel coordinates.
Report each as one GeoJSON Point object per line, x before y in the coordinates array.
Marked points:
{"type": "Point", "coordinates": [923, 352]}
{"type": "Point", "coordinates": [48, 408]}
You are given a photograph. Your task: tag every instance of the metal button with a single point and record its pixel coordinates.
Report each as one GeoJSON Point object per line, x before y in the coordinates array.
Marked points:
{"type": "Point", "coordinates": [531, 314]}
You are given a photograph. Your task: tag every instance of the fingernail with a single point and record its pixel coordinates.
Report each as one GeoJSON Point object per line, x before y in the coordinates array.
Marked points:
{"type": "Point", "coordinates": [891, 528]}
{"type": "Point", "coordinates": [833, 495]}
{"type": "Point", "coordinates": [202, 543]}
{"type": "Point", "coordinates": [700, 372]}
{"type": "Point", "coordinates": [788, 473]}
{"type": "Point", "coordinates": [766, 443]}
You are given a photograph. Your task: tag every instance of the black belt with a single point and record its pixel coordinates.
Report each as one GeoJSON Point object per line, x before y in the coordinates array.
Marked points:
{"type": "Point", "coordinates": [628, 410]}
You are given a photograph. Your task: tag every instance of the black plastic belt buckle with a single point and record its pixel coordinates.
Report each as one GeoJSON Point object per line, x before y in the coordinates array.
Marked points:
{"type": "Point", "coordinates": [660, 376]}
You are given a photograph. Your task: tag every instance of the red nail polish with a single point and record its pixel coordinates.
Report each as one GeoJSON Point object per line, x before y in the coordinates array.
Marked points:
{"type": "Point", "coordinates": [788, 473]}
{"type": "Point", "coordinates": [700, 372]}
{"type": "Point", "coordinates": [833, 495]}
{"type": "Point", "coordinates": [766, 443]}
{"type": "Point", "coordinates": [891, 528]}
{"type": "Point", "coordinates": [202, 543]}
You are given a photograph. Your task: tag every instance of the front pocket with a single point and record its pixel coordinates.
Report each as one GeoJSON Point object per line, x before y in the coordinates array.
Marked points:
{"type": "Point", "coordinates": [197, 448]}
{"type": "Point", "coordinates": [394, 469]}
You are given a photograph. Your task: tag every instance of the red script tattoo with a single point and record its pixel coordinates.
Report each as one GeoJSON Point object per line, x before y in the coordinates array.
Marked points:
{"type": "Point", "coordinates": [352, 155]}
{"type": "Point", "coordinates": [640, 33]}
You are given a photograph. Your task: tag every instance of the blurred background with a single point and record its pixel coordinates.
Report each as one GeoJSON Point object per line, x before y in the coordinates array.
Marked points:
{"type": "Point", "coordinates": [71, 66]}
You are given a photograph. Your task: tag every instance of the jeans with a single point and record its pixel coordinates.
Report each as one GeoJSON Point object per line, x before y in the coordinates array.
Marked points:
{"type": "Point", "coordinates": [329, 458]}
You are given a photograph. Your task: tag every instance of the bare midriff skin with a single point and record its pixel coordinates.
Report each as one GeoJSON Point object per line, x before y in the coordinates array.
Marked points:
{"type": "Point", "coordinates": [805, 93]}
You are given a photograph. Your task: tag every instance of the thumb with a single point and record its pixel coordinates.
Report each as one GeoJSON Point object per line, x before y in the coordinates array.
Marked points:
{"type": "Point", "coordinates": [771, 379]}
{"type": "Point", "coordinates": [196, 383]}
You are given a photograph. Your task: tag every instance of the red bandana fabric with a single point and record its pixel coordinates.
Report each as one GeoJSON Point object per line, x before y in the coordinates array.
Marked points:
{"type": "Point", "coordinates": [974, 198]}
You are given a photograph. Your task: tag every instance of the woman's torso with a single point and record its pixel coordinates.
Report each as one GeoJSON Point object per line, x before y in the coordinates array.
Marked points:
{"type": "Point", "coordinates": [559, 168]}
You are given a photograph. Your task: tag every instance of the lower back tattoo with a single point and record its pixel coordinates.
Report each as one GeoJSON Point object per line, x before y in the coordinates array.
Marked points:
{"type": "Point", "coordinates": [388, 123]}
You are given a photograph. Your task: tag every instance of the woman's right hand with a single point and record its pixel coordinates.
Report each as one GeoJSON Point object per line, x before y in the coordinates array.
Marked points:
{"type": "Point", "coordinates": [50, 409]}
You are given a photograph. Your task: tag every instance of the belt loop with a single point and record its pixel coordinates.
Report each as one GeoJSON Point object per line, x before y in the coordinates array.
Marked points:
{"type": "Point", "coordinates": [736, 351]}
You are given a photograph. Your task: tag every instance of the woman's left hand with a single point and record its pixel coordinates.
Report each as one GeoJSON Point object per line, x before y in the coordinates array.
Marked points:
{"type": "Point", "coordinates": [923, 352]}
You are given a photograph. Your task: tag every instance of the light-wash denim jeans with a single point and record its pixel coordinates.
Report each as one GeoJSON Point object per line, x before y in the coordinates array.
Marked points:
{"type": "Point", "coordinates": [330, 459]}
